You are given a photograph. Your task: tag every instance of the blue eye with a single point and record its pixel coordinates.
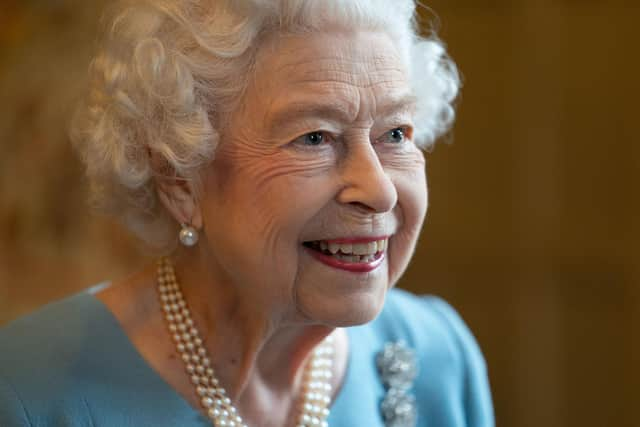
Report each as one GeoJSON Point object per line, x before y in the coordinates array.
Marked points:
{"type": "Point", "coordinates": [313, 138]}
{"type": "Point", "coordinates": [395, 136]}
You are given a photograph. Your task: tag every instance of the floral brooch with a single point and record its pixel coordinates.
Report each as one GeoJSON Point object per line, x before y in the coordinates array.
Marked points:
{"type": "Point", "coordinates": [398, 369]}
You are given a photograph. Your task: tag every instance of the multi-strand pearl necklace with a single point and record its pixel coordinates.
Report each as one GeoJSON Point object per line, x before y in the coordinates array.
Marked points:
{"type": "Point", "coordinates": [314, 408]}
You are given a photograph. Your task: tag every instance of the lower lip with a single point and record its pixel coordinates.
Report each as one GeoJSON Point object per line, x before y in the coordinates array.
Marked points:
{"type": "Point", "coordinates": [354, 267]}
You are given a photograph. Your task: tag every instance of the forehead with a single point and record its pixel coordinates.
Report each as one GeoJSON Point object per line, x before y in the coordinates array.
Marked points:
{"type": "Point", "coordinates": [329, 64]}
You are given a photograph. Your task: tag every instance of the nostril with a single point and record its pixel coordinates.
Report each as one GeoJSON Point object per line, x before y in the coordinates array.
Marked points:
{"type": "Point", "coordinates": [362, 207]}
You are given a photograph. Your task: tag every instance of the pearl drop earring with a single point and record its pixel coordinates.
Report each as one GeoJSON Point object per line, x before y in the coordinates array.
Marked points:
{"type": "Point", "coordinates": [188, 235]}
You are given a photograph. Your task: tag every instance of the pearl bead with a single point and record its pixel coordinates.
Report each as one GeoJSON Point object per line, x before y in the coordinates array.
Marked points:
{"type": "Point", "coordinates": [188, 235]}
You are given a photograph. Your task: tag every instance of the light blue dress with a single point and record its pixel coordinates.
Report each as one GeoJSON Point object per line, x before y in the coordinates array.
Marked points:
{"type": "Point", "coordinates": [71, 364]}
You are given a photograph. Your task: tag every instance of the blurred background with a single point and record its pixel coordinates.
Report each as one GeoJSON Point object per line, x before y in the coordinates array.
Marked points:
{"type": "Point", "coordinates": [533, 230]}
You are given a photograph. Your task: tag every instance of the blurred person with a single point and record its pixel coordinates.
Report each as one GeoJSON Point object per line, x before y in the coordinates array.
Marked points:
{"type": "Point", "coordinates": [270, 152]}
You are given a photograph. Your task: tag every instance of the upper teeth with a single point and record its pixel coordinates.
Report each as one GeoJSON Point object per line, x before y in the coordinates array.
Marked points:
{"type": "Point", "coordinates": [369, 248]}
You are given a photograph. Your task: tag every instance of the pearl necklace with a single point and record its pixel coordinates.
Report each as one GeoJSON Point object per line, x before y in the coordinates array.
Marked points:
{"type": "Point", "coordinates": [314, 405]}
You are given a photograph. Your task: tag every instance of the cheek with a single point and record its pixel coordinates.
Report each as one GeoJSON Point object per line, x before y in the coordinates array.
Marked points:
{"type": "Point", "coordinates": [268, 196]}
{"type": "Point", "coordinates": [409, 178]}
{"type": "Point", "coordinates": [407, 171]}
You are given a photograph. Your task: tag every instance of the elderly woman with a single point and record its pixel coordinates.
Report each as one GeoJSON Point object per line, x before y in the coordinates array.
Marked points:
{"type": "Point", "coordinates": [270, 151]}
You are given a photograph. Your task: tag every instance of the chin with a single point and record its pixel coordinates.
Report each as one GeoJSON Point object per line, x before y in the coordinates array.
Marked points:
{"type": "Point", "coordinates": [354, 309]}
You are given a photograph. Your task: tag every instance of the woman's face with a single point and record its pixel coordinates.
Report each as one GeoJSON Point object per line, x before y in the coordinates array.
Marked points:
{"type": "Point", "coordinates": [319, 158]}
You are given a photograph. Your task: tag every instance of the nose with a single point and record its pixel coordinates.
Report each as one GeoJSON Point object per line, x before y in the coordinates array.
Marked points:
{"type": "Point", "coordinates": [366, 184]}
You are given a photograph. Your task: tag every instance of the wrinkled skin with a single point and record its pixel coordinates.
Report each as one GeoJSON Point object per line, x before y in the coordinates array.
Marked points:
{"type": "Point", "coordinates": [268, 190]}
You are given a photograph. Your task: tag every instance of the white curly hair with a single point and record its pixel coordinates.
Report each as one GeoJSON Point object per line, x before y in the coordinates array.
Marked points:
{"type": "Point", "coordinates": [168, 72]}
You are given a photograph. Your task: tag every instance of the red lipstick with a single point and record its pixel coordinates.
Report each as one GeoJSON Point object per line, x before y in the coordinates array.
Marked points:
{"type": "Point", "coordinates": [354, 267]}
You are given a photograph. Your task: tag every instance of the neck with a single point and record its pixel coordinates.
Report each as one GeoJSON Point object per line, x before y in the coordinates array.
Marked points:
{"type": "Point", "coordinates": [256, 349]}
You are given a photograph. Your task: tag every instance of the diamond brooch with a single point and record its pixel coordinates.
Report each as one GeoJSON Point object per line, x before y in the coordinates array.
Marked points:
{"type": "Point", "coordinates": [398, 369]}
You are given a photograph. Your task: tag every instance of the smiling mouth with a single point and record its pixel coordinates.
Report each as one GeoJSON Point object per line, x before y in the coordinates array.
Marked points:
{"type": "Point", "coordinates": [357, 255]}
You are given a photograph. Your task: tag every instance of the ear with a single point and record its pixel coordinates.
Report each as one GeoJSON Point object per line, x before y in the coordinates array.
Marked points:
{"type": "Point", "coordinates": [180, 199]}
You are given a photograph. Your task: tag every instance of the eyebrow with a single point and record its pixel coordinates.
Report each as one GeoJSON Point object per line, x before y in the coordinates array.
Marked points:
{"type": "Point", "coordinates": [338, 111]}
